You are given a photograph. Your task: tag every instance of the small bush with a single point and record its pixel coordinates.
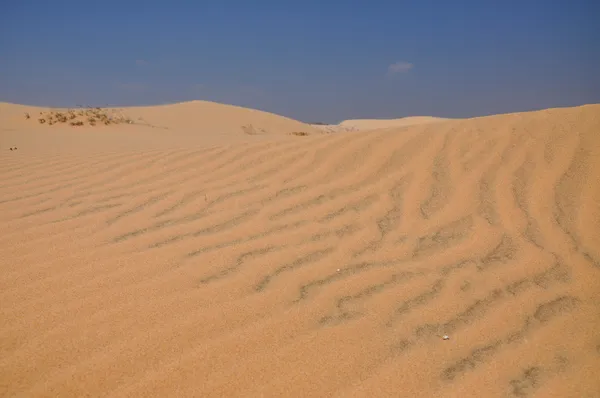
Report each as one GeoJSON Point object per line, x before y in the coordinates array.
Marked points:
{"type": "Point", "coordinates": [61, 117]}
{"type": "Point", "coordinates": [249, 129]}
{"type": "Point", "coordinates": [80, 117]}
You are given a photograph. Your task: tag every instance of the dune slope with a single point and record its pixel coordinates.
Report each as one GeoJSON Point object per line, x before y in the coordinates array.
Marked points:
{"type": "Point", "coordinates": [311, 266]}
{"type": "Point", "coordinates": [153, 127]}
{"type": "Point", "coordinates": [373, 124]}
{"type": "Point", "coordinates": [376, 124]}
{"type": "Point", "coordinates": [215, 118]}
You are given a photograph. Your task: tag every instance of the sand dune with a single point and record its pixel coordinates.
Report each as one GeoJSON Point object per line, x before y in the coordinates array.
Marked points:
{"type": "Point", "coordinates": [139, 261]}
{"type": "Point", "coordinates": [214, 118]}
{"type": "Point", "coordinates": [376, 124]}
{"type": "Point", "coordinates": [373, 124]}
{"type": "Point", "coordinates": [154, 127]}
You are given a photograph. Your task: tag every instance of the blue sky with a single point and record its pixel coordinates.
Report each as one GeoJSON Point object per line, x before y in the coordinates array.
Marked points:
{"type": "Point", "coordinates": [309, 60]}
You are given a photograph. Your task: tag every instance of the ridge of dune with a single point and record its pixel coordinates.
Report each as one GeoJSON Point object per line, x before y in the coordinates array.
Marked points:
{"type": "Point", "coordinates": [327, 265]}
{"type": "Point", "coordinates": [376, 124]}
{"type": "Point", "coordinates": [372, 124]}
{"type": "Point", "coordinates": [199, 116]}
{"type": "Point", "coordinates": [207, 116]}
{"type": "Point", "coordinates": [184, 124]}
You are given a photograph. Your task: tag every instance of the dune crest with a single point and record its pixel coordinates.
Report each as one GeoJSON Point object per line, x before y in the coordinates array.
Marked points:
{"type": "Point", "coordinates": [373, 124]}
{"type": "Point", "coordinates": [214, 118]}
{"type": "Point", "coordinates": [377, 124]}
{"type": "Point", "coordinates": [144, 127]}
{"type": "Point", "coordinates": [146, 262]}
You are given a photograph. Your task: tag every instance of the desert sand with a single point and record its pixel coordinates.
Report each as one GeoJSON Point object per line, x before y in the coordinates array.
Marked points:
{"type": "Point", "coordinates": [376, 124]}
{"type": "Point", "coordinates": [372, 124]}
{"type": "Point", "coordinates": [206, 250]}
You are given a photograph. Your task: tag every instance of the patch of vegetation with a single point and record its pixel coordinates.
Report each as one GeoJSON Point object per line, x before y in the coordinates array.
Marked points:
{"type": "Point", "coordinates": [250, 130]}
{"type": "Point", "coordinates": [82, 116]}
{"type": "Point", "coordinates": [300, 133]}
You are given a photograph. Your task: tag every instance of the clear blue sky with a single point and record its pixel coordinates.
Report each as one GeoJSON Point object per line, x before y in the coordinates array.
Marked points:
{"type": "Point", "coordinates": [309, 60]}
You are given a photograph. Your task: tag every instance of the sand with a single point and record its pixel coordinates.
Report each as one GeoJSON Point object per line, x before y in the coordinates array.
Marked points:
{"type": "Point", "coordinates": [182, 255]}
{"type": "Point", "coordinates": [376, 124]}
{"type": "Point", "coordinates": [372, 124]}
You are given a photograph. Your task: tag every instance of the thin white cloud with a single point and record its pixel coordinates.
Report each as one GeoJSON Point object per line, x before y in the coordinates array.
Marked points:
{"type": "Point", "coordinates": [399, 67]}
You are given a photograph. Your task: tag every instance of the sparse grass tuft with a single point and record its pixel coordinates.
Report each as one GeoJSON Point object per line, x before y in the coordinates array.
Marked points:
{"type": "Point", "coordinates": [82, 116]}
{"type": "Point", "coordinates": [249, 129]}
{"type": "Point", "coordinates": [60, 117]}
{"type": "Point", "coordinates": [300, 133]}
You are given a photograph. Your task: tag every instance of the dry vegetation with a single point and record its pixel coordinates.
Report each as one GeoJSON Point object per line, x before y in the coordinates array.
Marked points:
{"type": "Point", "coordinates": [251, 130]}
{"type": "Point", "coordinates": [82, 117]}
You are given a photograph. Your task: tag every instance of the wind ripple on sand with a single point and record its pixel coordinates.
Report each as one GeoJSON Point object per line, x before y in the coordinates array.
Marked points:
{"type": "Point", "coordinates": [311, 266]}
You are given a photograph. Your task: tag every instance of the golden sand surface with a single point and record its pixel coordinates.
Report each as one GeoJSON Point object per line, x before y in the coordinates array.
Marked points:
{"type": "Point", "coordinates": [206, 250]}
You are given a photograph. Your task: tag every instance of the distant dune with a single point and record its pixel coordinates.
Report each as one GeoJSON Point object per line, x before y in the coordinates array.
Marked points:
{"type": "Point", "coordinates": [214, 118]}
{"type": "Point", "coordinates": [372, 124]}
{"type": "Point", "coordinates": [183, 123]}
{"type": "Point", "coordinates": [375, 124]}
{"type": "Point", "coordinates": [182, 255]}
